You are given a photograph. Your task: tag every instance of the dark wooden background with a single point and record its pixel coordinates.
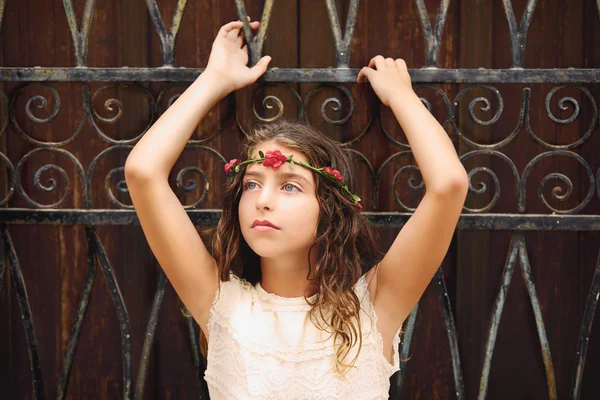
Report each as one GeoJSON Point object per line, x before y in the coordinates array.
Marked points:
{"type": "Point", "coordinates": [562, 34]}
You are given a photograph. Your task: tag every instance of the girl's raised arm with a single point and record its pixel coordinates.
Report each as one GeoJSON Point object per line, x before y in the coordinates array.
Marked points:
{"type": "Point", "coordinates": [171, 235]}
{"type": "Point", "coordinates": [419, 249]}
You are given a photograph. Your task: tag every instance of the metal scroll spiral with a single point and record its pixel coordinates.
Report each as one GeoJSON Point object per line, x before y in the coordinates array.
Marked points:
{"type": "Point", "coordinates": [268, 104]}
{"type": "Point", "coordinates": [42, 103]}
{"type": "Point", "coordinates": [51, 184]}
{"type": "Point", "coordinates": [271, 101]}
{"type": "Point", "coordinates": [335, 104]}
{"type": "Point", "coordinates": [411, 184]}
{"type": "Point", "coordinates": [557, 191]}
{"type": "Point", "coordinates": [563, 106]}
{"type": "Point", "coordinates": [121, 185]}
{"type": "Point", "coordinates": [191, 185]}
{"type": "Point", "coordinates": [482, 186]}
{"type": "Point", "coordinates": [113, 104]}
{"type": "Point", "coordinates": [485, 107]}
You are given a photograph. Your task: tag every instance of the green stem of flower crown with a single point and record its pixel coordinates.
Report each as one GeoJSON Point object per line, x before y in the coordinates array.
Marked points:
{"type": "Point", "coordinates": [292, 162]}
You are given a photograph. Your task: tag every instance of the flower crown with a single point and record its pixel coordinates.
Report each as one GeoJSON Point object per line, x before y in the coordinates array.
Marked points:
{"type": "Point", "coordinates": [274, 158]}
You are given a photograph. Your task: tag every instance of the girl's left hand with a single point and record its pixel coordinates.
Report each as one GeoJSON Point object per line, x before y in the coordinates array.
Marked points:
{"type": "Point", "coordinates": [388, 80]}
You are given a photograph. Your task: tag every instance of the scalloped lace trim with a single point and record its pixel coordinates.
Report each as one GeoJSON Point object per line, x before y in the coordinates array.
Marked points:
{"type": "Point", "coordinates": [231, 376]}
{"type": "Point", "coordinates": [310, 350]}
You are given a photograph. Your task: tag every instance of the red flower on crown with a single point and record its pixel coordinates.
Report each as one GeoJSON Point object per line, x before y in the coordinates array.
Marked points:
{"type": "Point", "coordinates": [359, 207]}
{"type": "Point", "coordinates": [333, 172]}
{"type": "Point", "coordinates": [231, 164]}
{"type": "Point", "coordinates": [274, 158]}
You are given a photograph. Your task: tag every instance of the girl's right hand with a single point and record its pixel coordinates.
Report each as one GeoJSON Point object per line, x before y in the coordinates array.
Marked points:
{"type": "Point", "coordinates": [228, 58]}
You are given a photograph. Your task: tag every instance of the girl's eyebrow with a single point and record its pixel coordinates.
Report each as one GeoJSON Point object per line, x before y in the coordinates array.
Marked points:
{"type": "Point", "coordinates": [283, 175]}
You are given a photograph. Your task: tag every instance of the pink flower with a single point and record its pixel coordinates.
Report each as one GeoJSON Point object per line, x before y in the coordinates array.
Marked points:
{"type": "Point", "coordinates": [231, 164]}
{"type": "Point", "coordinates": [334, 173]}
{"type": "Point", "coordinates": [359, 207]}
{"type": "Point", "coordinates": [274, 159]}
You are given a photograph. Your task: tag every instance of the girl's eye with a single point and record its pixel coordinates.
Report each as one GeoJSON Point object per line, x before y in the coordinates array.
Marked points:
{"type": "Point", "coordinates": [247, 185]}
{"type": "Point", "coordinates": [290, 187]}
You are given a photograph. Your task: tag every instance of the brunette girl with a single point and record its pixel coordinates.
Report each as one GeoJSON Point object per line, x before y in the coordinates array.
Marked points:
{"type": "Point", "coordinates": [294, 299]}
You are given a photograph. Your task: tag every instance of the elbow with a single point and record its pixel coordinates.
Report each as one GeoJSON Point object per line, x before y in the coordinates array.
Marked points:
{"type": "Point", "coordinates": [139, 167]}
{"type": "Point", "coordinates": [130, 170]}
{"type": "Point", "coordinates": [455, 186]}
{"type": "Point", "coordinates": [135, 171]}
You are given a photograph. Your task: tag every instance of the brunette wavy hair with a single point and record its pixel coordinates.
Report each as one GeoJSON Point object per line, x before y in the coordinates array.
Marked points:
{"type": "Point", "coordinates": [347, 245]}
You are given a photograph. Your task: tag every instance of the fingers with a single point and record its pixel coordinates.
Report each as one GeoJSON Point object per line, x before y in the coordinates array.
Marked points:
{"type": "Point", "coordinates": [380, 62]}
{"type": "Point", "coordinates": [377, 61]}
{"type": "Point", "coordinates": [401, 64]}
{"type": "Point", "coordinates": [363, 75]}
{"type": "Point", "coordinates": [240, 39]}
{"type": "Point", "coordinates": [225, 29]}
{"type": "Point", "coordinates": [234, 34]}
{"type": "Point", "coordinates": [232, 31]}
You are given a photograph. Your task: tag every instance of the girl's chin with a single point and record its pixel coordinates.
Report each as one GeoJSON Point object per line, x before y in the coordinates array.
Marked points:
{"type": "Point", "coordinates": [268, 248]}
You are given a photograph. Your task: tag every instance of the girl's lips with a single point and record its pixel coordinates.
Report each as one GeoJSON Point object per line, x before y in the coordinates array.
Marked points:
{"type": "Point", "coordinates": [264, 228]}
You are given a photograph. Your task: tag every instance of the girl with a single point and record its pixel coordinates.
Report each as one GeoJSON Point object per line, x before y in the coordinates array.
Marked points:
{"type": "Point", "coordinates": [294, 301]}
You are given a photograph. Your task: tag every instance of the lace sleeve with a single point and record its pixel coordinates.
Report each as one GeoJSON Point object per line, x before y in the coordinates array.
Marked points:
{"type": "Point", "coordinates": [229, 294]}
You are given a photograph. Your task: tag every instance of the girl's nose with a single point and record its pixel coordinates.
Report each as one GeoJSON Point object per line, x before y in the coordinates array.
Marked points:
{"type": "Point", "coordinates": [265, 199]}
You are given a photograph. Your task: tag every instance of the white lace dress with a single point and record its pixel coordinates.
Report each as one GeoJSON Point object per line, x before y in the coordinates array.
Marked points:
{"type": "Point", "coordinates": [263, 346]}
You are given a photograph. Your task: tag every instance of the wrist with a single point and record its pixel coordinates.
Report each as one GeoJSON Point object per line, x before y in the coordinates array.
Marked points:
{"type": "Point", "coordinates": [404, 94]}
{"type": "Point", "coordinates": [214, 83]}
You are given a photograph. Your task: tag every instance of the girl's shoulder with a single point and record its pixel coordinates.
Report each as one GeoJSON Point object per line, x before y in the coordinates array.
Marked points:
{"type": "Point", "coordinates": [233, 290]}
{"type": "Point", "coordinates": [228, 297]}
{"type": "Point", "coordinates": [237, 280]}
{"type": "Point", "coordinates": [235, 286]}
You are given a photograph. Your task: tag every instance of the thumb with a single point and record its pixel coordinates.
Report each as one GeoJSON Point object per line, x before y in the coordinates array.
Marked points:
{"type": "Point", "coordinates": [260, 67]}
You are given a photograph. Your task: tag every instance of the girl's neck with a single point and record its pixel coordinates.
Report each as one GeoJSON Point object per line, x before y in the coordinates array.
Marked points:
{"type": "Point", "coordinates": [286, 276]}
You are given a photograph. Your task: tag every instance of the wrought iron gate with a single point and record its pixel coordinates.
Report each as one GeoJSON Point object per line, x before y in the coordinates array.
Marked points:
{"type": "Point", "coordinates": [429, 77]}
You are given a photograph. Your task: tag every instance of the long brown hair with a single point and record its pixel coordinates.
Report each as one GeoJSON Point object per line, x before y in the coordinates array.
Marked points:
{"type": "Point", "coordinates": [347, 244]}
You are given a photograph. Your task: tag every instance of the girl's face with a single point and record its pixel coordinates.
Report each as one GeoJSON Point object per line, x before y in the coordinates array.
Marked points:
{"type": "Point", "coordinates": [286, 198]}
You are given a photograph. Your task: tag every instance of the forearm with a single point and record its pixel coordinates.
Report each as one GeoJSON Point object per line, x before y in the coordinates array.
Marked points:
{"type": "Point", "coordinates": [158, 150]}
{"type": "Point", "coordinates": [432, 148]}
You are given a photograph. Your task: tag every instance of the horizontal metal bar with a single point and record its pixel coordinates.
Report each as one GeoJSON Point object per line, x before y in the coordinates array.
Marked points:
{"type": "Point", "coordinates": [421, 75]}
{"type": "Point", "coordinates": [512, 222]}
